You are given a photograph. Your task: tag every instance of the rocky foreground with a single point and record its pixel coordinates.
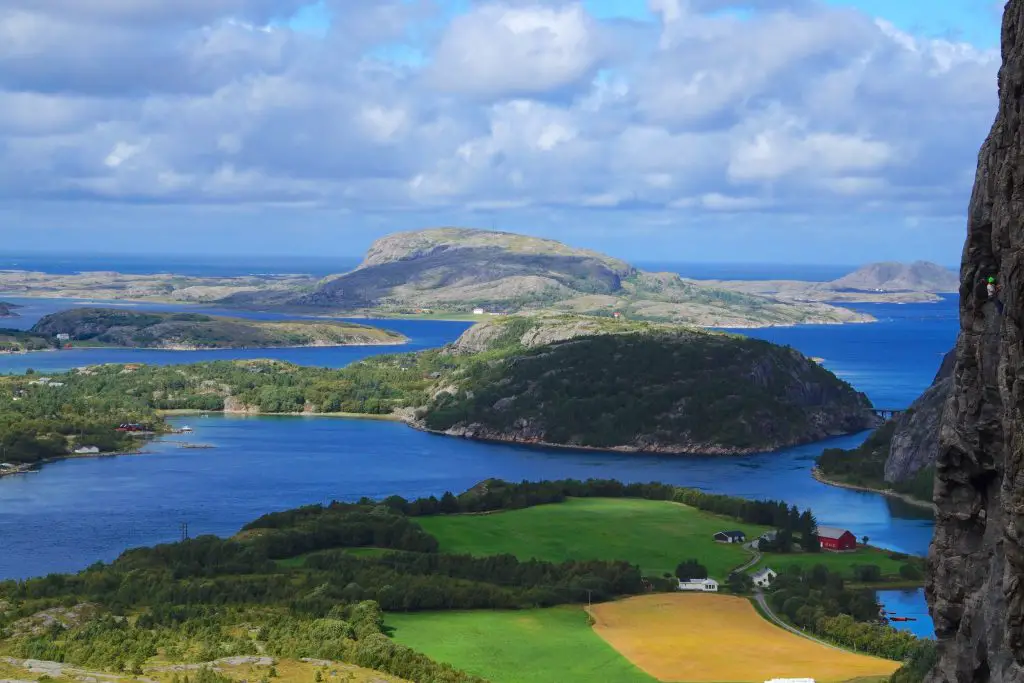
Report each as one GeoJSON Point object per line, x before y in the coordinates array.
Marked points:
{"type": "Point", "coordinates": [976, 581]}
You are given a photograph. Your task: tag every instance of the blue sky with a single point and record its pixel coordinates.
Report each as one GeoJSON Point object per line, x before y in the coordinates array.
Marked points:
{"type": "Point", "coordinates": [774, 130]}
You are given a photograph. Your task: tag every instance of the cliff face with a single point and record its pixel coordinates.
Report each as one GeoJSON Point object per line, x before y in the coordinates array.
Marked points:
{"type": "Point", "coordinates": [976, 579]}
{"type": "Point", "coordinates": [915, 441]}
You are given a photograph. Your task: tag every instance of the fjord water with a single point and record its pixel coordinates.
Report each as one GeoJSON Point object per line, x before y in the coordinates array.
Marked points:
{"type": "Point", "coordinates": [75, 512]}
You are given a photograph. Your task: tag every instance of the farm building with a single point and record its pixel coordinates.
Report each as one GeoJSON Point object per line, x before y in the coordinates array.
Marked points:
{"type": "Point", "coordinates": [478, 311]}
{"type": "Point", "coordinates": [835, 539]}
{"type": "Point", "coordinates": [764, 577]}
{"type": "Point", "coordinates": [768, 536]}
{"type": "Point", "coordinates": [703, 585]}
{"type": "Point", "coordinates": [730, 537]}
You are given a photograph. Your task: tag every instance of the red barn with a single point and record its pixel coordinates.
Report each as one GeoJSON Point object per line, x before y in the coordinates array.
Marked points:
{"type": "Point", "coordinates": [832, 538]}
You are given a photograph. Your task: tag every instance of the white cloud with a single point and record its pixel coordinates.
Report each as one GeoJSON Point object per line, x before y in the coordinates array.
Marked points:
{"type": "Point", "coordinates": [500, 49]}
{"type": "Point", "coordinates": [519, 105]}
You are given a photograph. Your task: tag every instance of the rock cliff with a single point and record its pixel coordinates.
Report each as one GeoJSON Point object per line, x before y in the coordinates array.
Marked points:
{"type": "Point", "coordinates": [915, 441]}
{"type": "Point", "coordinates": [976, 576]}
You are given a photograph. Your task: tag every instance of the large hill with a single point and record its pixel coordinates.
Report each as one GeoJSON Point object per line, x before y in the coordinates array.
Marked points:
{"type": "Point", "coordinates": [116, 327]}
{"type": "Point", "coordinates": [890, 276]}
{"type": "Point", "coordinates": [459, 269]}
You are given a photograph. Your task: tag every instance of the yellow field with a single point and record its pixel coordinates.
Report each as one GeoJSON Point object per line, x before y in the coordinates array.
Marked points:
{"type": "Point", "coordinates": [701, 638]}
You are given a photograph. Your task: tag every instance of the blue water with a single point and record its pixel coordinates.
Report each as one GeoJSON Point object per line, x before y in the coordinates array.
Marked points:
{"type": "Point", "coordinates": [73, 513]}
{"type": "Point", "coordinates": [422, 334]}
{"type": "Point", "coordinates": [909, 603]}
{"type": "Point", "coordinates": [193, 265]}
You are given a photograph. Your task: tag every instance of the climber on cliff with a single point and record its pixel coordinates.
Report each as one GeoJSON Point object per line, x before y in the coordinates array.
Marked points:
{"type": "Point", "coordinates": [993, 294]}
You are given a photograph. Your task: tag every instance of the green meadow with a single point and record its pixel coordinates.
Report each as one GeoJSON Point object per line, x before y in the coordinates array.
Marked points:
{"type": "Point", "coordinates": [517, 647]}
{"type": "Point", "coordinates": [656, 535]}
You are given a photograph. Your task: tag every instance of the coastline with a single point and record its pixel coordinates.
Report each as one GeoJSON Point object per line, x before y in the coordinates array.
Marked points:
{"type": "Point", "coordinates": [890, 493]}
{"type": "Point", "coordinates": [864, 319]}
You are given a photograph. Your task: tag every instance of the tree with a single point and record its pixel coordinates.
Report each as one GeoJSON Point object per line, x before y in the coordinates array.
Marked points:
{"type": "Point", "coordinates": [740, 583]}
{"type": "Point", "coordinates": [690, 570]}
{"type": "Point", "coordinates": [910, 572]}
{"type": "Point", "coordinates": [864, 540]}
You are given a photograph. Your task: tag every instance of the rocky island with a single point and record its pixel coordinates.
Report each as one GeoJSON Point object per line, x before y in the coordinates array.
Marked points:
{"type": "Point", "coordinates": [884, 282]}
{"type": "Point", "coordinates": [459, 270]}
{"type": "Point", "coordinates": [114, 327]}
{"type": "Point", "coordinates": [7, 310]}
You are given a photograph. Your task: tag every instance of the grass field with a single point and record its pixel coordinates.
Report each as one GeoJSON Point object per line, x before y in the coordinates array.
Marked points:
{"type": "Point", "coordinates": [657, 535]}
{"type": "Point", "coordinates": [702, 638]}
{"type": "Point", "coordinates": [530, 646]}
{"type": "Point", "coordinates": [837, 562]}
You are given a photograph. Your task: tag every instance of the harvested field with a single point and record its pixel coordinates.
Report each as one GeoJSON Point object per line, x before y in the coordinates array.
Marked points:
{"type": "Point", "coordinates": [701, 638]}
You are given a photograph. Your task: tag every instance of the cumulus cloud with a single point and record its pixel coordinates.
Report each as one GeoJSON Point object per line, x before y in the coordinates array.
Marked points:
{"type": "Point", "coordinates": [793, 107]}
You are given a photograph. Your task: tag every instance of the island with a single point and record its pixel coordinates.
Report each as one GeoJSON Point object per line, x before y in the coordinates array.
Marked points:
{"type": "Point", "coordinates": [541, 577]}
{"type": "Point", "coordinates": [8, 310]}
{"type": "Point", "coordinates": [190, 331]}
{"type": "Point", "coordinates": [884, 282]}
{"type": "Point", "coordinates": [898, 458]}
{"type": "Point", "coordinates": [460, 273]}
{"type": "Point", "coordinates": [557, 380]}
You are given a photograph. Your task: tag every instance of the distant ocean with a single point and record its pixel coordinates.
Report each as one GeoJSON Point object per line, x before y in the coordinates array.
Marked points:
{"type": "Point", "coordinates": [230, 266]}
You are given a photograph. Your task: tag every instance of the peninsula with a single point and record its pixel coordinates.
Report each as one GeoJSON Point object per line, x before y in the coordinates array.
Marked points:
{"type": "Point", "coordinates": [899, 457]}
{"type": "Point", "coordinates": [115, 327]}
{"type": "Point", "coordinates": [885, 282]}
{"type": "Point", "coordinates": [569, 381]}
{"type": "Point", "coordinates": [7, 310]}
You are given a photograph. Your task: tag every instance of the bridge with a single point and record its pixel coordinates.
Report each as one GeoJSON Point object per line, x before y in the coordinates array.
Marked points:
{"type": "Point", "coordinates": [888, 413]}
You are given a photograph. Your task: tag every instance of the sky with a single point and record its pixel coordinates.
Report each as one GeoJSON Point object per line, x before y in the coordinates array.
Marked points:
{"type": "Point", "coordinates": [789, 131]}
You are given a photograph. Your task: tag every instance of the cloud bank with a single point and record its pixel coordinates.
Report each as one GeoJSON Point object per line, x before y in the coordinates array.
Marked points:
{"type": "Point", "coordinates": [790, 109]}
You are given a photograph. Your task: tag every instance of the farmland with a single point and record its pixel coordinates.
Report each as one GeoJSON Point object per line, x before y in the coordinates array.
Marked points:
{"type": "Point", "coordinates": [517, 647]}
{"type": "Point", "coordinates": [656, 535]}
{"type": "Point", "coordinates": [700, 638]}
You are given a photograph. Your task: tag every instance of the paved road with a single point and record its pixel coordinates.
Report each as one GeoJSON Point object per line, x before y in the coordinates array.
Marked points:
{"type": "Point", "coordinates": [755, 557]}
{"type": "Point", "coordinates": [759, 596]}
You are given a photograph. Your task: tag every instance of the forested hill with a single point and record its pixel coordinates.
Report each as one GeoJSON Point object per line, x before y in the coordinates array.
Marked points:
{"type": "Point", "coordinates": [570, 381]}
{"type": "Point", "coordinates": [117, 327]}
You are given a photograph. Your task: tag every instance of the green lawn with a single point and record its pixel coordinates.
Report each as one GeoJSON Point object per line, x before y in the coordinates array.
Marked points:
{"type": "Point", "coordinates": [517, 647]}
{"type": "Point", "coordinates": [657, 535]}
{"type": "Point", "coordinates": [838, 562]}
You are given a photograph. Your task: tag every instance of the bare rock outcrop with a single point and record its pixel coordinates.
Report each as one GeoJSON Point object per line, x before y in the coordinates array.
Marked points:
{"type": "Point", "coordinates": [976, 576]}
{"type": "Point", "coordinates": [915, 441]}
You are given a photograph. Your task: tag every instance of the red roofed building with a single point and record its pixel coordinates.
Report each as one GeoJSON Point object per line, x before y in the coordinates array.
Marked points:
{"type": "Point", "coordinates": [835, 539]}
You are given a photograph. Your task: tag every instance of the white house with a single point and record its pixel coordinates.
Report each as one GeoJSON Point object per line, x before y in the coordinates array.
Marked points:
{"type": "Point", "coordinates": [63, 336]}
{"type": "Point", "coordinates": [478, 311]}
{"type": "Point", "coordinates": [764, 577]}
{"type": "Point", "coordinates": [87, 450]}
{"type": "Point", "coordinates": [702, 585]}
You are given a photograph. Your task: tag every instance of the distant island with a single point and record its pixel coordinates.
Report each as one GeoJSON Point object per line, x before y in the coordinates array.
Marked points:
{"type": "Point", "coordinates": [7, 310]}
{"type": "Point", "coordinates": [461, 273]}
{"type": "Point", "coordinates": [187, 331]}
{"type": "Point", "coordinates": [587, 383]}
{"type": "Point", "coordinates": [885, 282]}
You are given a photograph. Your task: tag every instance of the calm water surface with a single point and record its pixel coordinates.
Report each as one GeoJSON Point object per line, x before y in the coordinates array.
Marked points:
{"type": "Point", "coordinates": [73, 513]}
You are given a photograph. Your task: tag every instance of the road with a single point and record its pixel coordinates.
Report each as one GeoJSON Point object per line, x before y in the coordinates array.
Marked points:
{"type": "Point", "coordinates": [755, 557]}
{"type": "Point", "coordinates": [759, 596]}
